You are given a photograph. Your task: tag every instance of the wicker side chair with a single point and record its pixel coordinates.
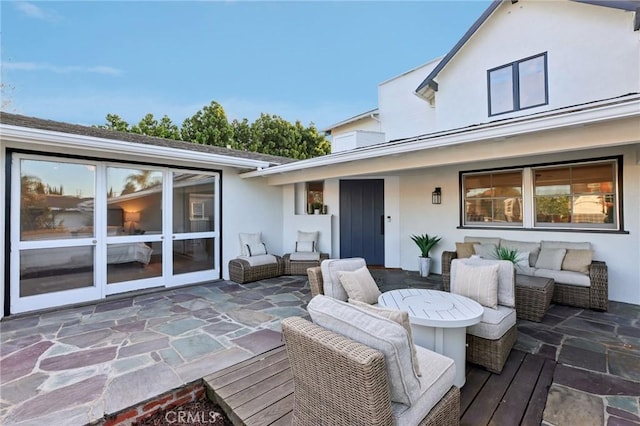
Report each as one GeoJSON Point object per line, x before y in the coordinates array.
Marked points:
{"type": "Point", "coordinates": [299, 267]}
{"type": "Point", "coordinates": [489, 343]}
{"type": "Point", "coordinates": [241, 271]}
{"type": "Point", "coordinates": [338, 381]}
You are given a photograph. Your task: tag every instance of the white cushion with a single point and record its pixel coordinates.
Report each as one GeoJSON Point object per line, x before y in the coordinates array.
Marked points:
{"type": "Point", "coordinates": [522, 261]}
{"type": "Point", "coordinates": [246, 238]}
{"type": "Point", "coordinates": [256, 249]}
{"type": "Point", "coordinates": [402, 318]}
{"type": "Point", "coordinates": [305, 246]}
{"type": "Point", "coordinates": [565, 277]}
{"type": "Point", "coordinates": [331, 282]}
{"type": "Point", "coordinates": [477, 281]}
{"type": "Point", "coordinates": [308, 237]}
{"type": "Point", "coordinates": [506, 278]}
{"type": "Point", "coordinates": [523, 246]}
{"type": "Point", "coordinates": [577, 260]}
{"type": "Point", "coordinates": [550, 258]}
{"type": "Point", "coordinates": [378, 333]}
{"type": "Point", "coordinates": [565, 245]}
{"type": "Point", "coordinates": [359, 285]}
{"type": "Point", "coordinates": [263, 259]}
{"type": "Point", "coordinates": [304, 256]}
{"type": "Point", "coordinates": [438, 374]}
{"type": "Point", "coordinates": [485, 251]}
{"type": "Point", "coordinates": [494, 323]}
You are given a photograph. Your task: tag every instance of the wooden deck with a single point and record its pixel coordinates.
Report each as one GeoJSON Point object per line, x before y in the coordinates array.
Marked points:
{"type": "Point", "coordinates": [259, 391]}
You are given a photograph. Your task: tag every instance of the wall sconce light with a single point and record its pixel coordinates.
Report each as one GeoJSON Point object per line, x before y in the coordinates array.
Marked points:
{"type": "Point", "coordinates": [436, 196]}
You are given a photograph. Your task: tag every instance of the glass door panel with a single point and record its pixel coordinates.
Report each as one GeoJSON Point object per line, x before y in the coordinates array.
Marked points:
{"type": "Point", "coordinates": [194, 226]}
{"type": "Point", "coordinates": [53, 203]}
{"type": "Point", "coordinates": [134, 228]}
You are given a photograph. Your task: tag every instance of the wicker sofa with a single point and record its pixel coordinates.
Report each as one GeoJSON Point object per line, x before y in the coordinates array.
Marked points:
{"type": "Point", "coordinates": [242, 271]}
{"type": "Point", "coordinates": [584, 290]}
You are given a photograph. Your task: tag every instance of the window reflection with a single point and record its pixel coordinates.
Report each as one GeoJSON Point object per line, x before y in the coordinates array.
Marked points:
{"type": "Point", "coordinates": [193, 203]}
{"type": "Point", "coordinates": [56, 200]}
{"type": "Point", "coordinates": [134, 201]}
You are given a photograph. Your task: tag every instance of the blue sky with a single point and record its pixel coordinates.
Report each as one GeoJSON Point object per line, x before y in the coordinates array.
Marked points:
{"type": "Point", "coordinates": [315, 62]}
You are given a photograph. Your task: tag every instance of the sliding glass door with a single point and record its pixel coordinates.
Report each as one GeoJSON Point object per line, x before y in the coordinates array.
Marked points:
{"type": "Point", "coordinates": [85, 229]}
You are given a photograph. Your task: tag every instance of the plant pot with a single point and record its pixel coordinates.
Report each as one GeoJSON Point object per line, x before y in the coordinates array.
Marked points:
{"type": "Point", "coordinates": [316, 211]}
{"type": "Point", "coordinates": [425, 265]}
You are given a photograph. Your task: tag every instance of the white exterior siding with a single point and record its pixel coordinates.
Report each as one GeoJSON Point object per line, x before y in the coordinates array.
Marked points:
{"type": "Point", "coordinates": [592, 54]}
{"type": "Point", "coordinates": [403, 114]}
{"type": "Point", "coordinates": [621, 252]}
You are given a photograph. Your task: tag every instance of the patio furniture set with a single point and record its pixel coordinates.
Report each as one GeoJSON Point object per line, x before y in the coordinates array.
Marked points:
{"type": "Point", "coordinates": [400, 356]}
{"type": "Point", "coordinates": [255, 263]}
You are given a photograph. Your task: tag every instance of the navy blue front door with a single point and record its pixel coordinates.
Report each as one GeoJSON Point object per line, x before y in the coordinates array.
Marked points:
{"type": "Point", "coordinates": [362, 220]}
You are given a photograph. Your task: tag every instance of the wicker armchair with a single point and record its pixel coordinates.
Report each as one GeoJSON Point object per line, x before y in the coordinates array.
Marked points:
{"type": "Point", "coordinates": [242, 272]}
{"type": "Point", "coordinates": [489, 343]}
{"type": "Point", "coordinates": [593, 297]}
{"type": "Point", "coordinates": [338, 381]}
{"type": "Point", "coordinates": [299, 267]}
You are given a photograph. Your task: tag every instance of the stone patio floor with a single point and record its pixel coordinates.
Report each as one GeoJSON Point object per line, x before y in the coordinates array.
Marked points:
{"type": "Point", "coordinates": [74, 366]}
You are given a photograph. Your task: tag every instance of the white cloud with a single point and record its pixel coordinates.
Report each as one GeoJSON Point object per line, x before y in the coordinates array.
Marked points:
{"type": "Point", "coordinates": [36, 12]}
{"type": "Point", "coordinates": [35, 66]}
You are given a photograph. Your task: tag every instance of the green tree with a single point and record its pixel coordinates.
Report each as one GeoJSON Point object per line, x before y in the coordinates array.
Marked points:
{"type": "Point", "coordinates": [242, 136]}
{"type": "Point", "coordinates": [209, 126]}
{"type": "Point", "coordinates": [151, 127]}
{"type": "Point", "coordinates": [114, 122]}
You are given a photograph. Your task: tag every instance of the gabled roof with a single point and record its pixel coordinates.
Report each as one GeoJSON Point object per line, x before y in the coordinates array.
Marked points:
{"type": "Point", "coordinates": [75, 129]}
{"type": "Point", "coordinates": [429, 83]}
{"type": "Point", "coordinates": [372, 113]}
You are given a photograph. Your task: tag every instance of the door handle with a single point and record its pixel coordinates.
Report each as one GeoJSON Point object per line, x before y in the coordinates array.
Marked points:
{"type": "Point", "coordinates": [382, 225]}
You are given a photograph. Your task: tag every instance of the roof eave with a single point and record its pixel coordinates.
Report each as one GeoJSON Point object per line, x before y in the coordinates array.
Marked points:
{"type": "Point", "coordinates": [102, 145]}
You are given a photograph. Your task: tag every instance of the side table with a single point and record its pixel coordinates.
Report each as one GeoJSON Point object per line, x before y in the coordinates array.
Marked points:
{"type": "Point", "coordinates": [533, 296]}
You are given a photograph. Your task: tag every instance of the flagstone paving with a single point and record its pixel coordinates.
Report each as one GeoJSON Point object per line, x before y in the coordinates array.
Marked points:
{"type": "Point", "coordinates": [72, 366]}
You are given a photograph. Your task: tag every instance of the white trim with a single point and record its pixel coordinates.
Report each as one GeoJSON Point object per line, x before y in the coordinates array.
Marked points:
{"type": "Point", "coordinates": [113, 146]}
{"type": "Point", "coordinates": [578, 115]}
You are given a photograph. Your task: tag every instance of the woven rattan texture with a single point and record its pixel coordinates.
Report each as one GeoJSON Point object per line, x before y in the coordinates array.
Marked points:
{"type": "Point", "coordinates": [491, 354]}
{"type": "Point", "coordinates": [241, 272]}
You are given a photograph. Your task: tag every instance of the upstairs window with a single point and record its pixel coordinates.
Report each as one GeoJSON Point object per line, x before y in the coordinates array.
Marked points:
{"type": "Point", "coordinates": [518, 85]}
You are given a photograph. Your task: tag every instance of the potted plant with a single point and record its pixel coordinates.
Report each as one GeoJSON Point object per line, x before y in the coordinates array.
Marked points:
{"type": "Point", "coordinates": [317, 208]}
{"type": "Point", "coordinates": [425, 243]}
{"type": "Point", "coordinates": [512, 255]}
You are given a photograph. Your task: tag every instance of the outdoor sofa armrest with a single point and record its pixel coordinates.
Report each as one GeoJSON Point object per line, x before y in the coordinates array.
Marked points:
{"type": "Point", "coordinates": [599, 292]}
{"type": "Point", "coordinates": [315, 281]}
{"type": "Point", "coordinates": [447, 257]}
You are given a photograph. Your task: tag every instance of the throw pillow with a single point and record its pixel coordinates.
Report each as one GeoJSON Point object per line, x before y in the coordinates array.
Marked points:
{"type": "Point", "coordinates": [246, 239]}
{"type": "Point", "coordinates": [305, 246]}
{"type": "Point", "coordinates": [359, 285]}
{"type": "Point", "coordinates": [310, 237]}
{"type": "Point", "coordinates": [522, 261]}
{"type": "Point", "coordinates": [256, 249]}
{"type": "Point", "coordinates": [464, 250]}
{"type": "Point", "coordinates": [577, 260]}
{"type": "Point", "coordinates": [402, 318]}
{"type": "Point", "coordinates": [477, 282]}
{"type": "Point", "coordinates": [485, 251]}
{"type": "Point", "coordinates": [550, 259]}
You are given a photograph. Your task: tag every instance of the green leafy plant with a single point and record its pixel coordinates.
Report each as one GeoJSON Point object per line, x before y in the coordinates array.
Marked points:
{"type": "Point", "coordinates": [425, 243]}
{"type": "Point", "coordinates": [505, 253]}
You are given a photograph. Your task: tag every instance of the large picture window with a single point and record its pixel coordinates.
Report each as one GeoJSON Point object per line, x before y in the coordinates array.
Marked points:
{"type": "Point", "coordinates": [518, 85]}
{"type": "Point", "coordinates": [575, 196]}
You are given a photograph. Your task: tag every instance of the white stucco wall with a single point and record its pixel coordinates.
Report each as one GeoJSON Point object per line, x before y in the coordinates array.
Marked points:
{"type": "Point", "coordinates": [249, 205]}
{"type": "Point", "coordinates": [592, 53]}
{"type": "Point", "coordinates": [620, 251]}
{"type": "Point", "coordinates": [402, 113]}
{"type": "Point", "coordinates": [2, 222]}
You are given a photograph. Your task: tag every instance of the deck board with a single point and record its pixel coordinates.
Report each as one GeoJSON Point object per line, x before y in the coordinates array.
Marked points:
{"type": "Point", "coordinates": [259, 391]}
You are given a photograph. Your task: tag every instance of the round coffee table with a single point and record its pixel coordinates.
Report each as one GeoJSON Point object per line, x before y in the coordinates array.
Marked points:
{"type": "Point", "coordinates": [438, 320]}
